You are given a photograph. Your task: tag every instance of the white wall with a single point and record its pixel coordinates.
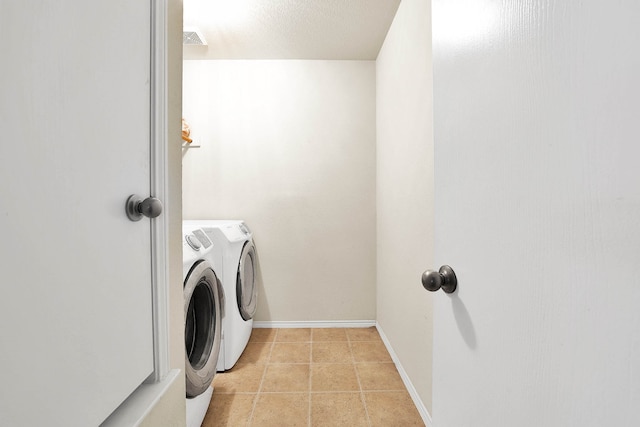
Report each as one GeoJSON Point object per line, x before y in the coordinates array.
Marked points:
{"type": "Point", "coordinates": [405, 190]}
{"type": "Point", "coordinates": [289, 146]}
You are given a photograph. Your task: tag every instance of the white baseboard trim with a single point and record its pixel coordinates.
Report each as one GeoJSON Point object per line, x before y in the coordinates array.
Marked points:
{"type": "Point", "coordinates": [315, 324]}
{"type": "Point", "coordinates": [424, 413]}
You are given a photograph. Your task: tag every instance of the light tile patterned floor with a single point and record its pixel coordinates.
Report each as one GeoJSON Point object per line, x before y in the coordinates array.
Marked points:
{"type": "Point", "coordinates": [312, 378]}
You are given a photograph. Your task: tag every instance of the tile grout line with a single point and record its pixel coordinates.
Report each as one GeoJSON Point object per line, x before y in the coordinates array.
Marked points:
{"type": "Point", "coordinates": [352, 362]}
{"type": "Point", "coordinates": [318, 393]}
{"type": "Point", "coordinates": [264, 374]}
{"type": "Point", "coordinates": [362, 399]}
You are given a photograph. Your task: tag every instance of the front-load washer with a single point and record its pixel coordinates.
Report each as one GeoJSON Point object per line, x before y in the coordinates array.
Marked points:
{"type": "Point", "coordinates": [235, 253]}
{"type": "Point", "coordinates": [203, 323]}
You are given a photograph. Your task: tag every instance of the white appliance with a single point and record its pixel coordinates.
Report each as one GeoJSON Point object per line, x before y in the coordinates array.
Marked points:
{"type": "Point", "coordinates": [235, 254]}
{"type": "Point", "coordinates": [203, 323]}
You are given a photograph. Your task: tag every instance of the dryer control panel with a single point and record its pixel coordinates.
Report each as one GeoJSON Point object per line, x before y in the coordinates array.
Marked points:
{"type": "Point", "coordinates": [234, 232]}
{"type": "Point", "coordinates": [244, 228]}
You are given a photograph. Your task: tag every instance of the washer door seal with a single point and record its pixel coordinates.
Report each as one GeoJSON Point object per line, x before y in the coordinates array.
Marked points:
{"type": "Point", "coordinates": [246, 289]}
{"type": "Point", "coordinates": [202, 327]}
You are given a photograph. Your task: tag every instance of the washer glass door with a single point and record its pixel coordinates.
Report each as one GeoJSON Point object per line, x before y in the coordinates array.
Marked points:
{"type": "Point", "coordinates": [246, 288]}
{"type": "Point", "coordinates": [202, 327]}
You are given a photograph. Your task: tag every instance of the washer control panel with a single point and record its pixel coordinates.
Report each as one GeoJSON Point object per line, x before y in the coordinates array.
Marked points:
{"type": "Point", "coordinates": [193, 242]}
{"type": "Point", "coordinates": [202, 237]}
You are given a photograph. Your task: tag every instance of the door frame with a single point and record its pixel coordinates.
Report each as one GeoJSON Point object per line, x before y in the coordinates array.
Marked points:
{"type": "Point", "coordinates": [159, 188]}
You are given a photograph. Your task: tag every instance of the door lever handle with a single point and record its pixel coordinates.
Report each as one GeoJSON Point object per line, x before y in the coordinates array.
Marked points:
{"type": "Point", "coordinates": [444, 278]}
{"type": "Point", "coordinates": [138, 207]}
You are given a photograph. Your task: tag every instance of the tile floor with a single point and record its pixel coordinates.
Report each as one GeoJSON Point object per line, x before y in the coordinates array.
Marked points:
{"type": "Point", "coordinates": [312, 377]}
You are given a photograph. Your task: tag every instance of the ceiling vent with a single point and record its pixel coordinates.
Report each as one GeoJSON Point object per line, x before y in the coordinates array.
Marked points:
{"type": "Point", "coordinates": [193, 36]}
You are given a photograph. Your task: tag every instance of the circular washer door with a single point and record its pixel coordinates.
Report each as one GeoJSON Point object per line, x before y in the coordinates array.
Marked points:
{"type": "Point", "coordinates": [202, 327]}
{"type": "Point", "coordinates": [246, 288]}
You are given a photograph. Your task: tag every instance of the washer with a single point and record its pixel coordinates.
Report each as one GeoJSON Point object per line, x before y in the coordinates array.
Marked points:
{"type": "Point", "coordinates": [235, 253]}
{"type": "Point", "coordinates": [203, 323]}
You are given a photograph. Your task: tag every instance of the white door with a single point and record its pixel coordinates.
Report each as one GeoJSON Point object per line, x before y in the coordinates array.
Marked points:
{"type": "Point", "coordinates": [75, 284]}
{"type": "Point", "coordinates": [537, 146]}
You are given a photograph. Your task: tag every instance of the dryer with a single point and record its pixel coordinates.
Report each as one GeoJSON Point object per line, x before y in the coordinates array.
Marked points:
{"type": "Point", "coordinates": [203, 323]}
{"type": "Point", "coordinates": [235, 254]}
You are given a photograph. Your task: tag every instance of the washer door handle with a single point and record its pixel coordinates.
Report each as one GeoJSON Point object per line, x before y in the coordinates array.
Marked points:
{"type": "Point", "coordinates": [137, 207]}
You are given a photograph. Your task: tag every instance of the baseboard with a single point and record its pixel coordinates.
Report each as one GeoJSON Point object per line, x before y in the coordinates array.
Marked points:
{"type": "Point", "coordinates": [142, 403]}
{"type": "Point", "coordinates": [424, 413]}
{"type": "Point", "coordinates": [315, 324]}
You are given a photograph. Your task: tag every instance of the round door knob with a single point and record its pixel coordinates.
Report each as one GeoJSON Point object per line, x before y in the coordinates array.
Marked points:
{"type": "Point", "coordinates": [137, 207]}
{"type": "Point", "coordinates": [444, 278]}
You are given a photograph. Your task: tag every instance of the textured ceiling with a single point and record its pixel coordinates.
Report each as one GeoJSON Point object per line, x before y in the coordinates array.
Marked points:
{"type": "Point", "coordinates": [289, 29]}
